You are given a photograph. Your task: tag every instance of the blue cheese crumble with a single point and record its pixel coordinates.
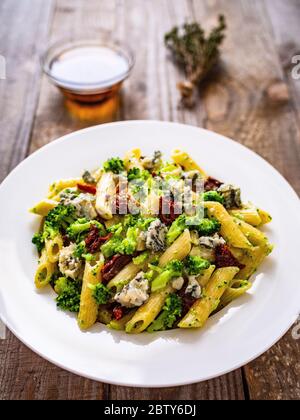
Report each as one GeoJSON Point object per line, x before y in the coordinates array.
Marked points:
{"type": "Point", "coordinates": [69, 265]}
{"type": "Point", "coordinates": [135, 293]}
{"type": "Point", "coordinates": [156, 236]}
{"type": "Point", "coordinates": [193, 288]}
{"type": "Point", "coordinates": [231, 195]}
{"type": "Point", "coordinates": [83, 203]}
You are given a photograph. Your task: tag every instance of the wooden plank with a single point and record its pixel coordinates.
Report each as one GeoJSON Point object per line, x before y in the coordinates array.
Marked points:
{"type": "Point", "coordinates": [73, 19]}
{"type": "Point", "coordinates": [227, 387]}
{"type": "Point", "coordinates": [285, 18]}
{"type": "Point", "coordinates": [26, 376]}
{"type": "Point", "coordinates": [237, 106]}
{"type": "Point", "coordinates": [19, 91]}
{"type": "Point", "coordinates": [276, 374]}
{"type": "Point", "coordinates": [236, 103]}
{"type": "Point", "coordinates": [23, 373]}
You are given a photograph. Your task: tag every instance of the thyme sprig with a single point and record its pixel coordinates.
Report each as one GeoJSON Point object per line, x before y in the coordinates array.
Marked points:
{"type": "Point", "coordinates": [196, 53]}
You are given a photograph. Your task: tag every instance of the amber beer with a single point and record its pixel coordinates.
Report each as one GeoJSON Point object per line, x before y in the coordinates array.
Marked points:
{"type": "Point", "coordinates": [90, 76]}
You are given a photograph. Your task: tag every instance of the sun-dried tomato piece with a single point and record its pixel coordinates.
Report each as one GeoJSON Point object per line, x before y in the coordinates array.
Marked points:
{"type": "Point", "coordinates": [113, 266]}
{"type": "Point", "coordinates": [211, 184]}
{"type": "Point", "coordinates": [187, 300]}
{"type": "Point", "coordinates": [93, 240]}
{"type": "Point", "coordinates": [118, 312]}
{"type": "Point", "coordinates": [89, 188]}
{"type": "Point", "coordinates": [166, 203]}
{"type": "Point", "coordinates": [224, 257]}
{"type": "Point", "coordinates": [66, 240]}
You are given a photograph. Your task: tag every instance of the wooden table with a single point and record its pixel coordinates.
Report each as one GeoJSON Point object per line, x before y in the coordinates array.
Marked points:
{"type": "Point", "coordinates": [262, 37]}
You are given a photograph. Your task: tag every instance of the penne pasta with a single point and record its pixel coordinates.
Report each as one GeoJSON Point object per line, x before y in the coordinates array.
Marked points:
{"type": "Point", "coordinates": [44, 271]}
{"type": "Point", "coordinates": [264, 216]}
{"type": "Point", "coordinates": [179, 249]}
{"type": "Point", "coordinates": [204, 277]}
{"type": "Point", "coordinates": [105, 194]}
{"type": "Point", "coordinates": [237, 289]}
{"type": "Point", "coordinates": [62, 184]}
{"type": "Point", "coordinates": [148, 312]}
{"type": "Point", "coordinates": [183, 159]}
{"type": "Point", "coordinates": [202, 308]}
{"type": "Point", "coordinates": [120, 324]}
{"type": "Point", "coordinates": [251, 258]}
{"type": "Point", "coordinates": [43, 207]}
{"type": "Point", "coordinates": [248, 215]}
{"type": "Point", "coordinates": [255, 236]}
{"type": "Point", "coordinates": [229, 230]}
{"type": "Point", "coordinates": [53, 248]}
{"type": "Point", "coordinates": [88, 307]}
{"type": "Point", "coordinates": [124, 276]}
{"type": "Point", "coordinates": [132, 159]}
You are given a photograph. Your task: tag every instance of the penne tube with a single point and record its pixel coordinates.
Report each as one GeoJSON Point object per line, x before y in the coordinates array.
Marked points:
{"type": "Point", "coordinates": [62, 184]}
{"type": "Point", "coordinates": [229, 230]}
{"type": "Point", "coordinates": [204, 277]}
{"type": "Point", "coordinates": [255, 236]}
{"type": "Point", "coordinates": [44, 271]}
{"type": "Point", "coordinates": [237, 289]}
{"type": "Point", "coordinates": [248, 215]}
{"type": "Point", "coordinates": [132, 159]}
{"type": "Point", "coordinates": [179, 249]}
{"type": "Point", "coordinates": [88, 306]}
{"type": "Point", "coordinates": [104, 315]}
{"type": "Point", "coordinates": [43, 207]}
{"type": "Point", "coordinates": [125, 275]}
{"type": "Point", "coordinates": [251, 258]}
{"type": "Point", "coordinates": [148, 311]}
{"type": "Point", "coordinates": [120, 324]}
{"type": "Point", "coordinates": [105, 194]}
{"type": "Point", "coordinates": [183, 159]}
{"type": "Point", "coordinates": [264, 216]}
{"type": "Point", "coordinates": [53, 247]}
{"type": "Point", "coordinates": [202, 308]}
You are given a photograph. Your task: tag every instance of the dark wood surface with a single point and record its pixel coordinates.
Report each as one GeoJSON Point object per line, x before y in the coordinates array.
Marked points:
{"type": "Point", "coordinates": [238, 101]}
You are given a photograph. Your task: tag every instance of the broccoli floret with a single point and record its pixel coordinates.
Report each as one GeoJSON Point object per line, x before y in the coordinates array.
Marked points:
{"type": "Point", "coordinates": [205, 227]}
{"type": "Point", "coordinates": [213, 196]}
{"type": "Point", "coordinates": [119, 245]}
{"type": "Point", "coordinates": [100, 293]}
{"type": "Point", "coordinates": [140, 259]}
{"type": "Point", "coordinates": [136, 220]}
{"type": "Point", "coordinates": [58, 218]}
{"type": "Point", "coordinates": [194, 265]}
{"type": "Point", "coordinates": [115, 165]}
{"type": "Point", "coordinates": [176, 229]}
{"type": "Point", "coordinates": [171, 270]}
{"type": "Point", "coordinates": [80, 250]}
{"type": "Point", "coordinates": [39, 241]}
{"type": "Point", "coordinates": [69, 293]}
{"type": "Point", "coordinates": [129, 244]}
{"type": "Point", "coordinates": [81, 226]}
{"type": "Point", "coordinates": [109, 248]}
{"type": "Point", "coordinates": [136, 173]}
{"type": "Point", "coordinates": [171, 311]}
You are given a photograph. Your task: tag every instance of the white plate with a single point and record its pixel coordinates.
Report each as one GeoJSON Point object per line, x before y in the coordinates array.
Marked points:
{"type": "Point", "coordinates": [231, 338]}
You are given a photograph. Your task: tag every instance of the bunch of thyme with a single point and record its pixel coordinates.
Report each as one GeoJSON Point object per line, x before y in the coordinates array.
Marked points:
{"type": "Point", "coordinates": [196, 53]}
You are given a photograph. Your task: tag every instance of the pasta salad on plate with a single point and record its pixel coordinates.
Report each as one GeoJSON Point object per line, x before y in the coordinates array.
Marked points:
{"type": "Point", "coordinates": [147, 244]}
